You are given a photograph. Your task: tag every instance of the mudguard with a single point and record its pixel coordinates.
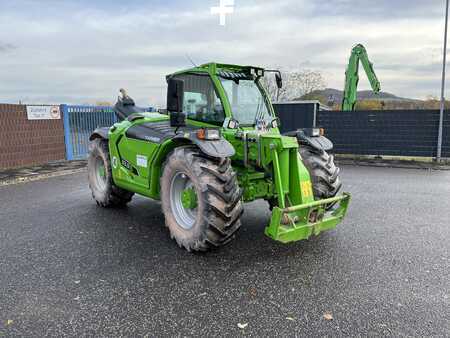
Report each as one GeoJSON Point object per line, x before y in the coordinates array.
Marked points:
{"type": "Point", "coordinates": [99, 133]}
{"type": "Point", "coordinates": [159, 132]}
{"type": "Point", "coordinates": [317, 142]}
{"type": "Point", "coordinates": [214, 148]}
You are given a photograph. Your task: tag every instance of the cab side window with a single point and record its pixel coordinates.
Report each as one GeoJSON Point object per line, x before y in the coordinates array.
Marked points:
{"type": "Point", "coordinates": [200, 100]}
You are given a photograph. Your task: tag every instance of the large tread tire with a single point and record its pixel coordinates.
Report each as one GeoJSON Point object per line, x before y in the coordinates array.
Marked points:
{"type": "Point", "coordinates": [219, 203]}
{"type": "Point", "coordinates": [106, 194]}
{"type": "Point", "coordinates": [323, 171]}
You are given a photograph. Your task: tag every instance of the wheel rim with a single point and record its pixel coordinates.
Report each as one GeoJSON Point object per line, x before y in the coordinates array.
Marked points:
{"type": "Point", "coordinates": [183, 201]}
{"type": "Point", "coordinates": [100, 173]}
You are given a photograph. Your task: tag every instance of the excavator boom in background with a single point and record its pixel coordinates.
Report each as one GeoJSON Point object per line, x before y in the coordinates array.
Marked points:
{"type": "Point", "coordinates": [359, 54]}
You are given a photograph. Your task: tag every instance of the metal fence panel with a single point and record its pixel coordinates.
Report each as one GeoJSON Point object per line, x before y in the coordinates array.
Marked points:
{"type": "Point", "coordinates": [79, 123]}
{"type": "Point", "coordinates": [446, 135]}
{"type": "Point", "coordinates": [395, 132]}
{"type": "Point", "coordinates": [387, 132]}
{"type": "Point", "coordinates": [295, 114]}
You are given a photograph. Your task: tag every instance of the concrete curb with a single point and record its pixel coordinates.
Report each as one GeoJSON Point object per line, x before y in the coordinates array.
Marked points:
{"type": "Point", "coordinates": [38, 177]}
{"type": "Point", "coordinates": [393, 164]}
{"type": "Point", "coordinates": [52, 169]}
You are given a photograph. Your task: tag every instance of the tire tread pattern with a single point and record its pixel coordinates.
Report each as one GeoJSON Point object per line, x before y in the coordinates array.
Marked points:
{"type": "Point", "coordinates": [323, 171]}
{"type": "Point", "coordinates": [113, 196]}
{"type": "Point", "coordinates": [221, 195]}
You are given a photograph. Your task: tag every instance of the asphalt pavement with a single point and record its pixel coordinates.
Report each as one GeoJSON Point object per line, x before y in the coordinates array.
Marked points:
{"type": "Point", "coordinates": [70, 268]}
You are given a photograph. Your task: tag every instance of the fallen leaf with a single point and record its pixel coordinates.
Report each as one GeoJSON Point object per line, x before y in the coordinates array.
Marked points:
{"type": "Point", "coordinates": [328, 316]}
{"type": "Point", "coordinates": [290, 318]}
{"type": "Point", "coordinates": [9, 322]}
{"type": "Point", "coordinates": [242, 325]}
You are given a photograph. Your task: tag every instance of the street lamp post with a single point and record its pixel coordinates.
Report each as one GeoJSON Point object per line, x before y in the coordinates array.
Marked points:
{"type": "Point", "coordinates": [441, 114]}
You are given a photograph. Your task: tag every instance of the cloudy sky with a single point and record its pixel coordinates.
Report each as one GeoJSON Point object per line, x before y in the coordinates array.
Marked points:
{"type": "Point", "coordinates": [55, 51]}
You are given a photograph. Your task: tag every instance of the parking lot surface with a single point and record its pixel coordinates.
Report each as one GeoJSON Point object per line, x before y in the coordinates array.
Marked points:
{"type": "Point", "coordinates": [70, 268]}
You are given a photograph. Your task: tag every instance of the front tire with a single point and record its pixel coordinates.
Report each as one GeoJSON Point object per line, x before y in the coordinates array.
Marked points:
{"type": "Point", "coordinates": [323, 171]}
{"type": "Point", "coordinates": [201, 199]}
{"type": "Point", "coordinates": [104, 191]}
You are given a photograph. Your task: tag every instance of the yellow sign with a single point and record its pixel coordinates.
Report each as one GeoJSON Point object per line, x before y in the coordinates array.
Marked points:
{"type": "Point", "coordinates": [306, 188]}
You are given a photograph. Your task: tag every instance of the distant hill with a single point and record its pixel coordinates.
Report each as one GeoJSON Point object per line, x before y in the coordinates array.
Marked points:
{"type": "Point", "coordinates": [367, 100]}
{"type": "Point", "coordinates": [336, 95]}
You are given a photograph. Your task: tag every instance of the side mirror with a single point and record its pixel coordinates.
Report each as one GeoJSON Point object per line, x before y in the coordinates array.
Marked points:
{"type": "Point", "coordinates": [275, 123]}
{"type": "Point", "coordinates": [231, 123]}
{"type": "Point", "coordinates": [175, 95]}
{"type": "Point", "coordinates": [279, 80]}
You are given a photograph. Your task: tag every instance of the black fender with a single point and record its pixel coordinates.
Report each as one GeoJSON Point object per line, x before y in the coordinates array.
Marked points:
{"type": "Point", "coordinates": [213, 148]}
{"type": "Point", "coordinates": [320, 143]}
{"type": "Point", "coordinates": [100, 133]}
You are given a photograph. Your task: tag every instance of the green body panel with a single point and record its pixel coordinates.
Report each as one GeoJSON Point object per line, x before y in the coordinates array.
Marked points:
{"type": "Point", "coordinates": [268, 166]}
{"type": "Point", "coordinates": [140, 179]}
{"type": "Point", "coordinates": [358, 55]}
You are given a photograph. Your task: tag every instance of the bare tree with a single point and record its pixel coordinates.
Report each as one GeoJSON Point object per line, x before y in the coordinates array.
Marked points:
{"type": "Point", "coordinates": [295, 84]}
{"type": "Point", "coordinates": [309, 81]}
{"type": "Point", "coordinates": [270, 85]}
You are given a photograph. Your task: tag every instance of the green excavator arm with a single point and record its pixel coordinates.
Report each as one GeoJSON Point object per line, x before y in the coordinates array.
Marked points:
{"type": "Point", "coordinates": [358, 55]}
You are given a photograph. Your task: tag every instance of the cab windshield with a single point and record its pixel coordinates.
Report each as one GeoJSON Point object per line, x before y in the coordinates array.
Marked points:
{"type": "Point", "coordinates": [248, 104]}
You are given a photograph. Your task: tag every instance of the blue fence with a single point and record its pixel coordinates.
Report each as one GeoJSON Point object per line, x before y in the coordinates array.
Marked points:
{"type": "Point", "coordinates": [80, 122]}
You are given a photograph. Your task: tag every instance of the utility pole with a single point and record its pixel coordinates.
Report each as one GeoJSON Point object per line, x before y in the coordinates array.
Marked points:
{"type": "Point", "coordinates": [441, 114]}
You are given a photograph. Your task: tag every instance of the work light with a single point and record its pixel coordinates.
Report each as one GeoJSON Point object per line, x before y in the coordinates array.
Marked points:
{"type": "Point", "coordinates": [208, 134]}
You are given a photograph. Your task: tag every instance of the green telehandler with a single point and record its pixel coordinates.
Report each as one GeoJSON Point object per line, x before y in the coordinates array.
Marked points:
{"type": "Point", "coordinates": [217, 146]}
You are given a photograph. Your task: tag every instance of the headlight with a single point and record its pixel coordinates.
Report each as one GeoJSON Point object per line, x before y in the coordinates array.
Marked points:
{"type": "Point", "coordinates": [208, 134]}
{"type": "Point", "coordinates": [315, 132]}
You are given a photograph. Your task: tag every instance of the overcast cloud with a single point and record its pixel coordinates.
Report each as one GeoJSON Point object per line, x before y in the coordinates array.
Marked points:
{"type": "Point", "coordinates": [55, 51]}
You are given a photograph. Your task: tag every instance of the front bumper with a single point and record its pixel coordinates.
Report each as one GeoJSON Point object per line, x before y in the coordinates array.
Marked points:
{"type": "Point", "coordinates": [302, 221]}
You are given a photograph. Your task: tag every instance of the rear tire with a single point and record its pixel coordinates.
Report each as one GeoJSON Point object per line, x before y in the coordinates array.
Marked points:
{"type": "Point", "coordinates": [104, 191]}
{"type": "Point", "coordinates": [323, 171]}
{"type": "Point", "coordinates": [214, 218]}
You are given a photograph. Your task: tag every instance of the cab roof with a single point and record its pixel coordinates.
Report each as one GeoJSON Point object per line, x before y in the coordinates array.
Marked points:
{"type": "Point", "coordinates": [217, 68]}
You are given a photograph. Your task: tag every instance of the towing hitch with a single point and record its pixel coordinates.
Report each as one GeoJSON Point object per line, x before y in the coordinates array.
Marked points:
{"type": "Point", "coordinates": [301, 221]}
